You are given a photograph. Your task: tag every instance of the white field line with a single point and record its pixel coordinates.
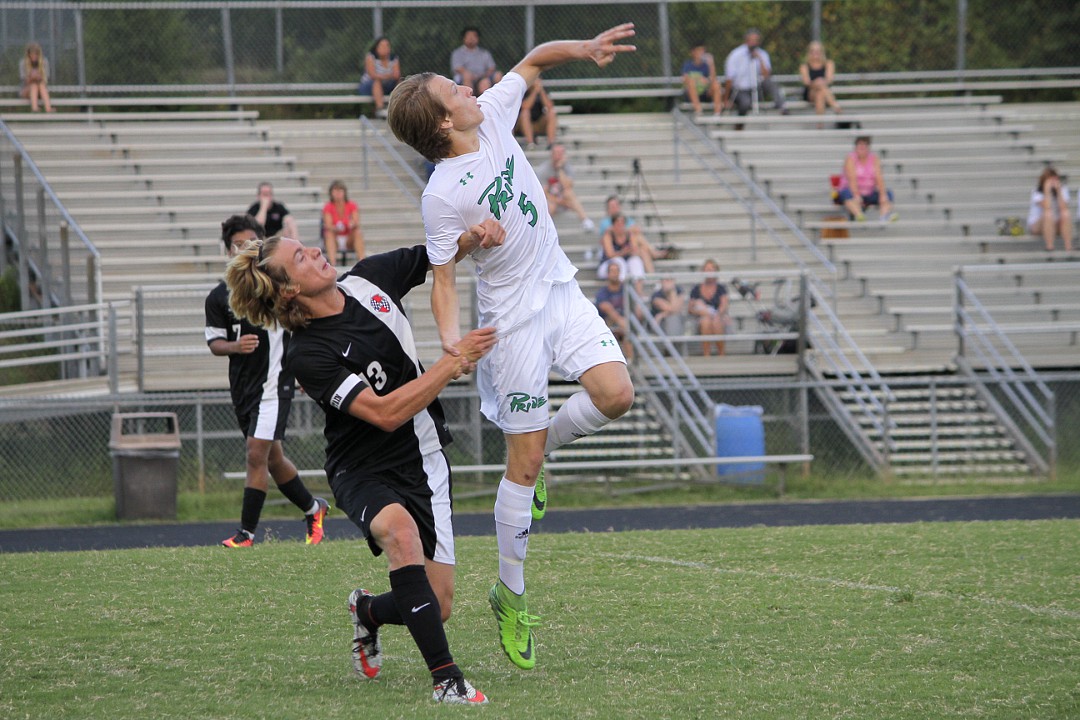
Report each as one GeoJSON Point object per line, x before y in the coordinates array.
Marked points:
{"type": "Point", "coordinates": [956, 597]}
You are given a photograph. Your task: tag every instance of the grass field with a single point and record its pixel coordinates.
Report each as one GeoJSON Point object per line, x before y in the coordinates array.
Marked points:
{"type": "Point", "coordinates": [972, 620]}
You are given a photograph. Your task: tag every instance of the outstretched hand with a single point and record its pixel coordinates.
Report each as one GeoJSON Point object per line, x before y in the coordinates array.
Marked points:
{"type": "Point", "coordinates": [472, 347]}
{"type": "Point", "coordinates": [602, 48]}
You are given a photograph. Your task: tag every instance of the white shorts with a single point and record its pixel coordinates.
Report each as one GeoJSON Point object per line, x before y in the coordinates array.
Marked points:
{"type": "Point", "coordinates": [567, 336]}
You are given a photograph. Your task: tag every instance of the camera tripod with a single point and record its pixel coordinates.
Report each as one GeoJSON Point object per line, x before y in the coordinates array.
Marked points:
{"type": "Point", "coordinates": [637, 190]}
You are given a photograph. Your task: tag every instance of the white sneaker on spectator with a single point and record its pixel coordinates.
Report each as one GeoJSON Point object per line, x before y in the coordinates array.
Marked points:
{"type": "Point", "coordinates": [588, 225]}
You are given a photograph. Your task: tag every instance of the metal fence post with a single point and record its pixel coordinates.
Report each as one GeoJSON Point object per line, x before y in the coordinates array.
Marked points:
{"type": "Point", "coordinates": [815, 21]}
{"type": "Point", "coordinates": [3, 225]}
{"type": "Point", "coordinates": [530, 26]}
{"type": "Point", "coordinates": [227, 48]}
{"type": "Point", "coordinates": [65, 264]}
{"type": "Point", "coordinates": [665, 40]}
{"type": "Point", "coordinates": [801, 345]}
{"type": "Point", "coordinates": [114, 354]}
{"type": "Point", "coordinates": [377, 21]}
{"type": "Point", "coordinates": [80, 52]}
{"type": "Point", "coordinates": [961, 38]}
{"type": "Point", "coordinates": [20, 223]}
{"type": "Point", "coordinates": [279, 39]}
{"type": "Point", "coordinates": [43, 243]}
{"type": "Point", "coordinates": [958, 310]}
{"type": "Point", "coordinates": [139, 344]}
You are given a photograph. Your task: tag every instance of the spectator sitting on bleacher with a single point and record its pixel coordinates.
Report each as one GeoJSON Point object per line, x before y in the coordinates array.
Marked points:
{"type": "Point", "coordinates": [628, 249]}
{"type": "Point", "coordinates": [613, 207]}
{"type": "Point", "coordinates": [558, 179]}
{"type": "Point", "coordinates": [272, 215]}
{"type": "Point", "coordinates": [34, 76]}
{"type": "Point", "coordinates": [341, 225]}
{"type": "Point", "coordinates": [862, 171]}
{"type": "Point", "coordinates": [382, 71]}
{"type": "Point", "coordinates": [748, 70]}
{"type": "Point", "coordinates": [472, 65]}
{"type": "Point", "coordinates": [668, 306]}
{"type": "Point", "coordinates": [817, 73]}
{"type": "Point", "coordinates": [700, 81]}
{"type": "Point", "coordinates": [611, 304]}
{"type": "Point", "coordinates": [709, 305]}
{"type": "Point", "coordinates": [537, 114]}
{"type": "Point", "coordinates": [1049, 213]}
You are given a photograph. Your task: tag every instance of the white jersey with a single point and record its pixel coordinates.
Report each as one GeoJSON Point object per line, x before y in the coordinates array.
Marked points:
{"type": "Point", "coordinates": [513, 281]}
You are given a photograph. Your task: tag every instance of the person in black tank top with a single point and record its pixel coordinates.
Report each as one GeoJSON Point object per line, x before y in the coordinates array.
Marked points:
{"type": "Point", "coordinates": [817, 73]}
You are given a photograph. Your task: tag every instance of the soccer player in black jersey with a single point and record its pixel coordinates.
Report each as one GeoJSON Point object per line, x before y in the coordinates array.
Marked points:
{"type": "Point", "coordinates": [262, 394]}
{"type": "Point", "coordinates": [353, 351]}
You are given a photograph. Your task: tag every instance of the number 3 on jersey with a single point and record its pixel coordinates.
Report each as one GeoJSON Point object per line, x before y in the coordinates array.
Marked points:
{"type": "Point", "coordinates": [376, 376]}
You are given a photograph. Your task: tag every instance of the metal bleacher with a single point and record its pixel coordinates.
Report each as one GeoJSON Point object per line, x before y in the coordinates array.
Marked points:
{"type": "Point", "coordinates": [150, 191]}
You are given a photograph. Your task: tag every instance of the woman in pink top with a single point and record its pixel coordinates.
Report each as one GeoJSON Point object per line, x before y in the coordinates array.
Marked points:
{"type": "Point", "coordinates": [341, 224]}
{"type": "Point", "coordinates": [862, 171]}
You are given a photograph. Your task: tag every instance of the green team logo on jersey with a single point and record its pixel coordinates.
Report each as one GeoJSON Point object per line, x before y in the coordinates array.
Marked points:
{"type": "Point", "coordinates": [607, 342]}
{"type": "Point", "coordinates": [524, 402]}
{"type": "Point", "coordinates": [500, 193]}
{"type": "Point", "coordinates": [465, 180]}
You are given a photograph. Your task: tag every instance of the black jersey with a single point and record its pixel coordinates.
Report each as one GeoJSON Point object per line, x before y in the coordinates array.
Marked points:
{"type": "Point", "coordinates": [275, 217]}
{"type": "Point", "coordinates": [258, 374]}
{"type": "Point", "coordinates": [369, 344]}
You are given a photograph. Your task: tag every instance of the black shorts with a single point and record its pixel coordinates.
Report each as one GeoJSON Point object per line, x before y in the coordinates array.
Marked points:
{"type": "Point", "coordinates": [537, 111]}
{"type": "Point", "coordinates": [264, 419]}
{"type": "Point", "coordinates": [422, 487]}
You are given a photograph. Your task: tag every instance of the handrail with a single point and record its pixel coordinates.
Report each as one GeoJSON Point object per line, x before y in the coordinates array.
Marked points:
{"type": "Point", "coordinates": [368, 127]}
{"type": "Point", "coordinates": [683, 389]}
{"type": "Point", "coordinates": [759, 193]}
{"type": "Point", "coordinates": [978, 333]}
{"type": "Point", "coordinates": [64, 214]}
{"type": "Point", "coordinates": [832, 344]}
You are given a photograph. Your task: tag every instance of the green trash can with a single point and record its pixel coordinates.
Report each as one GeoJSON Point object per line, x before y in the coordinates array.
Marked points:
{"type": "Point", "coordinates": [145, 450]}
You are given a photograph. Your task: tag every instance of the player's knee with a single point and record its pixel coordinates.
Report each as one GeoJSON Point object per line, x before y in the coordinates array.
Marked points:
{"type": "Point", "coordinates": [617, 400]}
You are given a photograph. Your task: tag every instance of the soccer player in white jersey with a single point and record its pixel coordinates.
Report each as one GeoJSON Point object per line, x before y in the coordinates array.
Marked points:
{"type": "Point", "coordinates": [525, 289]}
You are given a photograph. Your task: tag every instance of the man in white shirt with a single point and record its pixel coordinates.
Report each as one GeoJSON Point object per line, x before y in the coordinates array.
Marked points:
{"type": "Point", "coordinates": [525, 289]}
{"type": "Point", "coordinates": [748, 70]}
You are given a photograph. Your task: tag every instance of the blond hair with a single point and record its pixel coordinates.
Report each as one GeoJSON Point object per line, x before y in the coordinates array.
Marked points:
{"type": "Point", "coordinates": [415, 116]}
{"type": "Point", "coordinates": [256, 289]}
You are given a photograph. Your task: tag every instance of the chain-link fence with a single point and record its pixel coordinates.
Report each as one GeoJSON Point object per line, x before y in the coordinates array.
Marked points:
{"type": "Point", "coordinates": [236, 46]}
{"type": "Point", "coordinates": [78, 462]}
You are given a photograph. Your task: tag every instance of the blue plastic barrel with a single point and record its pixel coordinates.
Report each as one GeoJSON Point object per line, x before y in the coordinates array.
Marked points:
{"type": "Point", "coordinates": [740, 433]}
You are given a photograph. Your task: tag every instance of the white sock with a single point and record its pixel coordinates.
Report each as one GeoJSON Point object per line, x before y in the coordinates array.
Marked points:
{"type": "Point", "coordinates": [314, 507]}
{"type": "Point", "coordinates": [576, 418]}
{"type": "Point", "coordinates": [513, 516]}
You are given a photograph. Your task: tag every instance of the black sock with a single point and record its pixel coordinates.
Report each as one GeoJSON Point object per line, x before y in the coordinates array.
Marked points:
{"type": "Point", "coordinates": [297, 493]}
{"type": "Point", "coordinates": [251, 509]}
{"type": "Point", "coordinates": [381, 610]}
{"type": "Point", "coordinates": [419, 609]}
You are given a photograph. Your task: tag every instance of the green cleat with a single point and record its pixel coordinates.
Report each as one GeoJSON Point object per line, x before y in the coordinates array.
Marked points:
{"type": "Point", "coordinates": [515, 625]}
{"type": "Point", "coordinates": [539, 503]}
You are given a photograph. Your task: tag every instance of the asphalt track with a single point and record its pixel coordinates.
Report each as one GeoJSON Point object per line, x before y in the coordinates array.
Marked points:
{"type": "Point", "coordinates": [774, 514]}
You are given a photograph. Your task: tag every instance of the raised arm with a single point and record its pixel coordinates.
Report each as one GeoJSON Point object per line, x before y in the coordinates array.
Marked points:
{"type": "Point", "coordinates": [601, 50]}
{"type": "Point", "coordinates": [444, 304]}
